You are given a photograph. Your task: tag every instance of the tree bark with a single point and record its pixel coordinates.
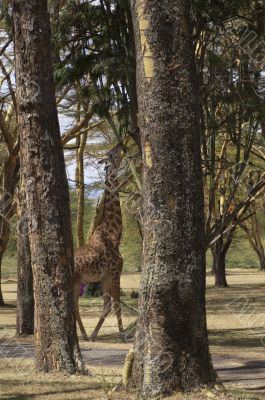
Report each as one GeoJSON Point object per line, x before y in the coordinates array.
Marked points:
{"type": "Point", "coordinates": [2, 303]}
{"type": "Point", "coordinates": [133, 128]}
{"type": "Point", "coordinates": [47, 194]}
{"type": "Point", "coordinates": [219, 251]}
{"type": "Point", "coordinates": [220, 270]}
{"type": "Point", "coordinates": [261, 256]}
{"type": "Point", "coordinates": [171, 347]}
{"type": "Point", "coordinates": [25, 296]}
{"type": "Point", "coordinates": [80, 189]}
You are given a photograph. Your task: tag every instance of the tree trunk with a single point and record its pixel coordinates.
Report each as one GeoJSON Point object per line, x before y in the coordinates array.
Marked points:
{"type": "Point", "coordinates": [25, 296]}
{"type": "Point", "coordinates": [220, 270]}
{"type": "Point", "coordinates": [171, 347]}
{"type": "Point", "coordinates": [97, 217]}
{"type": "Point", "coordinates": [9, 181]}
{"type": "Point", "coordinates": [133, 128]}
{"type": "Point", "coordinates": [2, 303]}
{"type": "Point", "coordinates": [219, 267]}
{"type": "Point", "coordinates": [80, 190]}
{"type": "Point", "coordinates": [4, 238]}
{"type": "Point", "coordinates": [47, 194]}
{"type": "Point", "coordinates": [252, 229]}
{"type": "Point", "coordinates": [261, 256]}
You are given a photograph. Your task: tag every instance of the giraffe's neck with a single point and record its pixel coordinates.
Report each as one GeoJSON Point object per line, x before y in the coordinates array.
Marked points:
{"type": "Point", "coordinates": [112, 209]}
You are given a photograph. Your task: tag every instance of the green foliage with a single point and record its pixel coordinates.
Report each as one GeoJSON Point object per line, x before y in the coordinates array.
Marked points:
{"type": "Point", "coordinates": [6, 17]}
{"type": "Point", "coordinates": [94, 41]}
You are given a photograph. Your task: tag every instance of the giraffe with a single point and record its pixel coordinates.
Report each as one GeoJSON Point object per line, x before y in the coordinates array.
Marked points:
{"type": "Point", "coordinates": [99, 260]}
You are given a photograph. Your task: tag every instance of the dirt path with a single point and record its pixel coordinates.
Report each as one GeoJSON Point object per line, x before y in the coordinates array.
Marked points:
{"type": "Point", "coordinates": [235, 335]}
{"type": "Point", "coordinates": [232, 370]}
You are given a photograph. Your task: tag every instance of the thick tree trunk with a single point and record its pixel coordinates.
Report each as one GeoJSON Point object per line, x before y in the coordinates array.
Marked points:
{"type": "Point", "coordinates": [171, 348]}
{"type": "Point", "coordinates": [25, 296]}
{"type": "Point", "coordinates": [220, 270]}
{"type": "Point", "coordinates": [47, 195]}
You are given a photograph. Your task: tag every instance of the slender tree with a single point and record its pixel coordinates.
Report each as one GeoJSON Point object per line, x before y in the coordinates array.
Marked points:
{"type": "Point", "coordinates": [9, 179]}
{"type": "Point", "coordinates": [47, 196]}
{"type": "Point", "coordinates": [253, 228]}
{"type": "Point", "coordinates": [171, 348]}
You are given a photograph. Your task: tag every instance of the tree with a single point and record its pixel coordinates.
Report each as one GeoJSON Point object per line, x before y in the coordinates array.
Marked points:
{"type": "Point", "coordinates": [171, 347]}
{"type": "Point", "coordinates": [47, 196]}
{"type": "Point", "coordinates": [9, 164]}
{"type": "Point", "coordinates": [231, 114]}
{"type": "Point", "coordinates": [25, 295]}
{"type": "Point", "coordinates": [9, 179]}
{"type": "Point", "coordinates": [253, 228]}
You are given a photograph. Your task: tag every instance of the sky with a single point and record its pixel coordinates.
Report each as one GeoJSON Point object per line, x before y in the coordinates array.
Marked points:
{"type": "Point", "coordinates": [92, 172]}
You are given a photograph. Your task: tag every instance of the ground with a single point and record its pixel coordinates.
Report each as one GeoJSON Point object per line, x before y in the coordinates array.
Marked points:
{"type": "Point", "coordinates": [236, 325]}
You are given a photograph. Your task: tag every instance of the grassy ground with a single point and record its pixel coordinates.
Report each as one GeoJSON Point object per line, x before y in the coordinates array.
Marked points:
{"type": "Point", "coordinates": [236, 319]}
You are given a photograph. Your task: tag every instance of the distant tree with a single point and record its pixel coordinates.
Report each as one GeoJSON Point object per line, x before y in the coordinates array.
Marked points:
{"type": "Point", "coordinates": [232, 104]}
{"type": "Point", "coordinates": [9, 162]}
{"type": "Point", "coordinates": [171, 345]}
{"type": "Point", "coordinates": [47, 197]}
{"type": "Point", "coordinates": [254, 228]}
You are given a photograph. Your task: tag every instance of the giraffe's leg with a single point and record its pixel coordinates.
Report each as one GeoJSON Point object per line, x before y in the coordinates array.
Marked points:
{"type": "Point", "coordinates": [106, 309]}
{"type": "Point", "coordinates": [77, 314]}
{"type": "Point", "coordinates": [116, 294]}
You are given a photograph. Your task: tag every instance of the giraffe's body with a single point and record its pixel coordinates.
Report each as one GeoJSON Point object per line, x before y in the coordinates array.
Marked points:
{"type": "Point", "coordinates": [99, 260]}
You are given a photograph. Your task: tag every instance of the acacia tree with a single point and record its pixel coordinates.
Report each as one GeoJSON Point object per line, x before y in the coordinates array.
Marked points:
{"type": "Point", "coordinates": [231, 114]}
{"type": "Point", "coordinates": [171, 348]}
{"type": "Point", "coordinates": [9, 164]}
{"type": "Point", "coordinates": [253, 227]}
{"type": "Point", "coordinates": [47, 196]}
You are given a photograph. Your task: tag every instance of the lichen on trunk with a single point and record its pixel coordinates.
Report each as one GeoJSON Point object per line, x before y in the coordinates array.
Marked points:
{"type": "Point", "coordinates": [171, 346]}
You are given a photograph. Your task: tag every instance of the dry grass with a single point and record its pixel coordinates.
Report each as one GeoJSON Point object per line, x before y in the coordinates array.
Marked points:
{"type": "Point", "coordinates": [236, 319]}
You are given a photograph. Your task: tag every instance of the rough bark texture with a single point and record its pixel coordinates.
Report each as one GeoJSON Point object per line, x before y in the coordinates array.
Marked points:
{"type": "Point", "coordinates": [25, 296]}
{"type": "Point", "coordinates": [171, 348]}
{"type": "Point", "coordinates": [47, 196]}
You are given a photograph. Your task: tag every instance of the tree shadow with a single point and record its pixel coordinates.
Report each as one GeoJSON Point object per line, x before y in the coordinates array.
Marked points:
{"type": "Point", "coordinates": [247, 337]}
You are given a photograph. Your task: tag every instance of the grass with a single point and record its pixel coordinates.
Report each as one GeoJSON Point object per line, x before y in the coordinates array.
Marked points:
{"type": "Point", "coordinates": [235, 317]}
{"type": "Point", "coordinates": [236, 320]}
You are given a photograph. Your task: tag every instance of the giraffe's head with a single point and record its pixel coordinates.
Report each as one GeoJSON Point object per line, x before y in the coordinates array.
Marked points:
{"type": "Point", "coordinates": [114, 157]}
